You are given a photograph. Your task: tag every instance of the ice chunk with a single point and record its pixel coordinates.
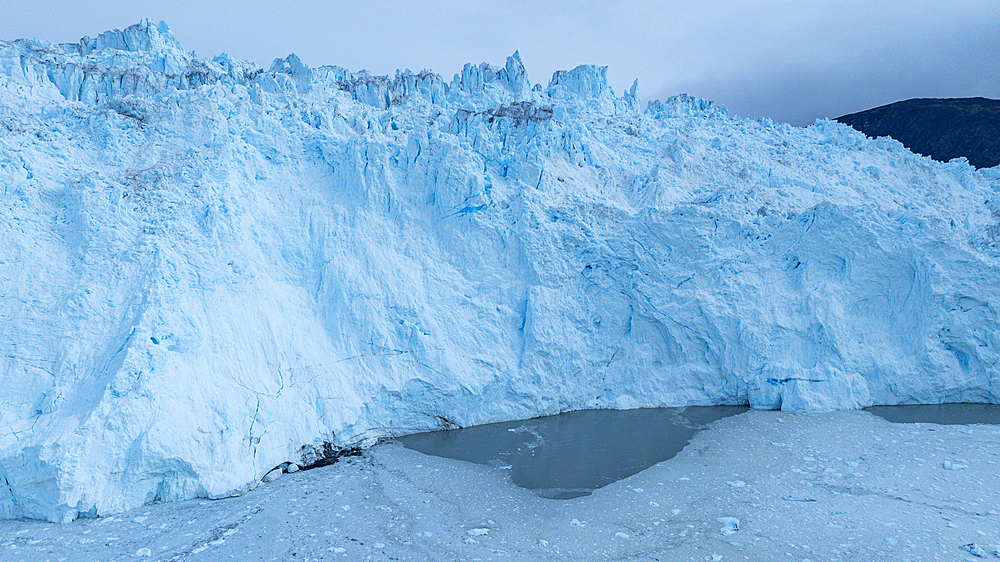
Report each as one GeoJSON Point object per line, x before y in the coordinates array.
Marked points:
{"type": "Point", "coordinates": [143, 36]}
{"type": "Point", "coordinates": [585, 81]}
{"type": "Point", "coordinates": [794, 388]}
{"type": "Point", "coordinates": [730, 525]}
{"type": "Point", "coordinates": [974, 549]}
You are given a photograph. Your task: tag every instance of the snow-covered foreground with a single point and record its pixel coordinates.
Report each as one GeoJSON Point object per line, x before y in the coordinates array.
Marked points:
{"type": "Point", "coordinates": [835, 486]}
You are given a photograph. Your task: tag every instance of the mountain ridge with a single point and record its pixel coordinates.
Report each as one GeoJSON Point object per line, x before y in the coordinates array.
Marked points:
{"type": "Point", "coordinates": [941, 128]}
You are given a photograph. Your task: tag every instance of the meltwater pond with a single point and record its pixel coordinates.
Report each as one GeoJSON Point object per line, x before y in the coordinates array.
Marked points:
{"type": "Point", "coordinates": [570, 455]}
{"type": "Point", "coordinates": [944, 414]}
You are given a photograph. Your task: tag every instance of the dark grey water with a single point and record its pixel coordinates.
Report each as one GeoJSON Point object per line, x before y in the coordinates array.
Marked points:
{"type": "Point", "coordinates": [572, 454]}
{"type": "Point", "coordinates": [943, 414]}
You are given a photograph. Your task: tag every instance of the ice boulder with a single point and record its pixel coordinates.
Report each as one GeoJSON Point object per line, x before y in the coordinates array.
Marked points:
{"type": "Point", "coordinates": [799, 389]}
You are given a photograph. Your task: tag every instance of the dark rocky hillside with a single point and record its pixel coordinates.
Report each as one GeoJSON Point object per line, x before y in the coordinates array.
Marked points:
{"type": "Point", "coordinates": [940, 128]}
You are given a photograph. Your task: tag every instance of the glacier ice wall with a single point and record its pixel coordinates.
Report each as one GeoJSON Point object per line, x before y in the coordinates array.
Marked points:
{"type": "Point", "coordinates": [209, 269]}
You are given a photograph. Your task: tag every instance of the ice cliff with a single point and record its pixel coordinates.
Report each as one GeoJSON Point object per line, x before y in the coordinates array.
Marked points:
{"type": "Point", "coordinates": [209, 269]}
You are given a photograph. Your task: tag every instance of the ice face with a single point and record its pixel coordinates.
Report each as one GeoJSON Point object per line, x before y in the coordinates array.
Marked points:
{"type": "Point", "coordinates": [210, 269]}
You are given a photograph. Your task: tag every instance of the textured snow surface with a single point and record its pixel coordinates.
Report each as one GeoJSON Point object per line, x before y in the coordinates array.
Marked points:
{"type": "Point", "coordinates": [761, 486]}
{"type": "Point", "coordinates": [209, 270]}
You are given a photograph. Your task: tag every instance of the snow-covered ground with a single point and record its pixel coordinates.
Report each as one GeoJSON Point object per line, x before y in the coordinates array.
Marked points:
{"type": "Point", "coordinates": [763, 485]}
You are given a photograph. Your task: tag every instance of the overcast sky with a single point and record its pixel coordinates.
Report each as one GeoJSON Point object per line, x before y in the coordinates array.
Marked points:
{"type": "Point", "coordinates": [790, 60]}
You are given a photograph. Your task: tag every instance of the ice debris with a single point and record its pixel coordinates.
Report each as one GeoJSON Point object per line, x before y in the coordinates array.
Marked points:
{"type": "Point", "coordinates": [730, 525]}
{"type": "Point", "coordinates": [974, 549]}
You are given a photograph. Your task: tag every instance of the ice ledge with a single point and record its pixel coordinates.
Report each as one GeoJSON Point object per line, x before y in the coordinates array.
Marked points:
{"type": "Point", "coordinates": [786, 387]}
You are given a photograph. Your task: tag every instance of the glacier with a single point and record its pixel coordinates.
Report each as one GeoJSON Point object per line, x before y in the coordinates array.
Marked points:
{"type": "Point", "coordinates": [210, 269]}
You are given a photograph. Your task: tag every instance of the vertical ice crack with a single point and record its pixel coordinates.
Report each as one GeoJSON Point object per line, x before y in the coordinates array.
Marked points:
{"type": "Point", "coordinates": [252, 422]}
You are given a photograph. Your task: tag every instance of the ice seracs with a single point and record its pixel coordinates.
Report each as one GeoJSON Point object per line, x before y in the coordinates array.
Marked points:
{"type": "Point", "coordinates": [212, 269]}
